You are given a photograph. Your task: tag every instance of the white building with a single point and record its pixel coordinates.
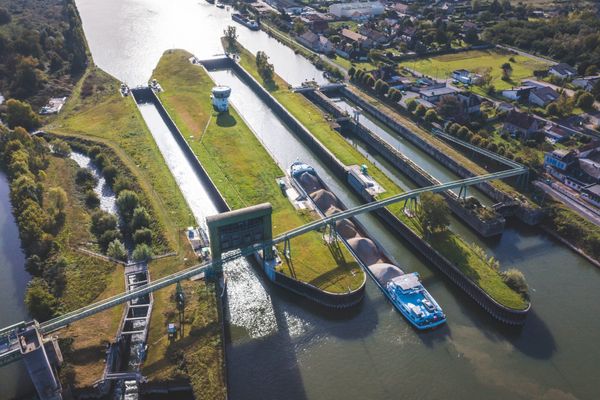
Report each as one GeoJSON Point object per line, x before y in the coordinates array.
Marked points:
{"type": "Point", "coordinates": [350, 10]}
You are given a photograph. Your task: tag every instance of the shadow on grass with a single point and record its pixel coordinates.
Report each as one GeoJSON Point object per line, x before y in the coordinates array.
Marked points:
{"type": "Point", "coordinates": [448, 245]}
{"type": "Point", "coordinates": [226, 120]}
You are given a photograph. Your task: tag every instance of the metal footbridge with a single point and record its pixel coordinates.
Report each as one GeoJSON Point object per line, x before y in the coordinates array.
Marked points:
{"type": "Point", "coordinates": [9, 348]}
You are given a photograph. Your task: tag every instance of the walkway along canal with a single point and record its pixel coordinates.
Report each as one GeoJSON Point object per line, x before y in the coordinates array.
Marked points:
{"type": "Point", "coordinates": [474, 356]}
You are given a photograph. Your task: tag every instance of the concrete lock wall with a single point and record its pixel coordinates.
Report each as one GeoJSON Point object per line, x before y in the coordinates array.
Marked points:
{"type": "Point", "coordinates": [498, 311]}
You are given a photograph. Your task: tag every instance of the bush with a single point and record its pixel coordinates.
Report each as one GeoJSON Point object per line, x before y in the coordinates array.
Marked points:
{"type": "Point", "coordinates": [91, 199]}
{"type": "Point", "coordinates": [142, 252]}
{"type": "Point", "coordinates": [411, 105]}
{"type": "Point", "coordinates": [94, 151]}
{"type": "Point", "coordinates": [61, 148]}
{"type": "Point", "coordinates": [85, 178]}
{"type": "Point", "coordinates": [585, 101]}
{"type": "Point", "coordinates": [110, 174]}
{"type": "Point", "coordinates": [431, 116]}
{"type": "Point", "coordinates": [107, 237]}
{"type": "Point", "coordinates": [19, 113]}
{"type": "Point", "coordinates": [102, 222]}
{"type": "Point", "coordinates": [121, 183]}
{"type": "Point", "coordinates": [116, 249]}
{"type": "Point", "coordinates": [143, 235]}
{"type": "Point", "coordinates": [515, 280]}
{"type": "Point", "coordinates": [101, 161]}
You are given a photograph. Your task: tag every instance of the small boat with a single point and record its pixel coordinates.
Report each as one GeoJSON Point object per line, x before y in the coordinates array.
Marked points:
{"type": "Point", "coordinates": [124, 90]}
{"type": "Point", "coordinates": [246, 21]}
{"type": "Point", "coordinates": [220, 5]}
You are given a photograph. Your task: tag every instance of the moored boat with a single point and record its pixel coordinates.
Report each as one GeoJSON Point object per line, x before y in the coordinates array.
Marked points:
{"type": "Point", "coordinates": [246, 21]}
{"type": "Point", "coordinates": [405, 291]}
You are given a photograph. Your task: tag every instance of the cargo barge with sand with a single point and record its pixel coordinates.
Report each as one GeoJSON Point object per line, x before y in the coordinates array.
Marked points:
{"type": "Point", "coordinates": [405, 291]}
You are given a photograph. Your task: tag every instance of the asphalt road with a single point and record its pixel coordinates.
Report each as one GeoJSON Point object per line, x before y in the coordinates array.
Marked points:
{"type": "Point", "coordinates": [586, 211]}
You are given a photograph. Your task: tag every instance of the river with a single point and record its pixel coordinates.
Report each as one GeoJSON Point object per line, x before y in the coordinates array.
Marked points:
{"type": "Point", "coordinates": [370, 352]}
{"type": "Point", "coordinates": [13, 378]}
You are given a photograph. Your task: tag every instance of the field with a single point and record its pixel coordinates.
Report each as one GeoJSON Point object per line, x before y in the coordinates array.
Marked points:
{"type": "Point", "coordinates": [478, 61]}
{"type": "Point", "coordinates": [246, 177]}
{"type": "Point", "coordinates": [449, 244]}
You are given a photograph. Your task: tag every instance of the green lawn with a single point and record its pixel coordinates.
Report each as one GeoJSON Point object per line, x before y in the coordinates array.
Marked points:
{"type": "Point", "coordinates": [312, 117]}
{"type": "Point", "coordinates": [477, 61]}
{"type": "Point", "coordinates": [245, 177]}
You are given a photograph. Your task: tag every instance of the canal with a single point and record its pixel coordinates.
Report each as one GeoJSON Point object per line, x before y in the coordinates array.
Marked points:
{"type": "Point", "coordinates": [284, 347]}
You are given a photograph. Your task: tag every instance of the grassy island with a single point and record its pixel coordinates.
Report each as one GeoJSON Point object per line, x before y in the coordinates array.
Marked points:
{"type": "Point", "coordinates": [464, 256]}
{"type": "Point", "coordinates": [244, 171]}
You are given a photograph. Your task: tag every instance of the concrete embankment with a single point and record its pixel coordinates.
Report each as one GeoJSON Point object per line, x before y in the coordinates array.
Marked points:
{"type": "Point", "coordinates": [328, 299]}
{"type": "Point", "coordinates": [530, 216]}
{"type": "Point", "coordinates": [498, 311]}
{"type": "Point", "coordinates": [486, 227]}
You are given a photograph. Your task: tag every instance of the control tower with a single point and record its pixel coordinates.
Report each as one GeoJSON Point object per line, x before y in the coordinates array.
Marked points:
{"type": "Point", "coordinates": [220, 98]}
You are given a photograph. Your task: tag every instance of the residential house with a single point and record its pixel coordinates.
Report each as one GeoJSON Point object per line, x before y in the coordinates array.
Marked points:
{"type": "Point", "coordinates": [471, 103]}
{"type": "Point", "coordinates": [556, 134]}
{"type": "Point", "coordinates": [587, 82]}
{"type": "Point", "coordinates": [352, 10]}
{"type": "Point", "coordinates": [318, 43]}
{"type": "Point", "coordinates": [517, 93]}
{"type": "Point", "coordinates": [563, 71]}
{"type": "Point", "coordinates": [287, 6]}
{"type": "Point", "coordinates": [356, 38]}
{"type": "Point", "coordinates": [315, 22]}
{"type": "Point", "coordinates": [468, 25]}
{"type": "Point", "coordinates": [433, 95]}
{"type": "Point", "coordinates": [542, 96]}
{"type": "Point", "coordinates": [376, 37]}
{"type": "Point", "coordinates": [520, 125]}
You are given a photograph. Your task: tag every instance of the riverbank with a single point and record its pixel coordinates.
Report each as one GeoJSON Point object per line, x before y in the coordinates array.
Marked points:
{"type": "Point", "coordinates": [452, 247]}
{"type": "Point", "coordinates": [107, 118]}
{"type": "Point", "coordinates": [244, 171]}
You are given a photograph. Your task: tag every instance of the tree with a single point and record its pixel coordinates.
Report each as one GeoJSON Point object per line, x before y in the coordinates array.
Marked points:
{"type": "Point", "coordinates": [552, 109]}
{"type": "Point", "coordinates": [41, 303]}
{"type": "Point", "coordinates": [91, 199]}
{"type": "Point", "coordinates": [506, 71]}
{"type": "Point", "coordinates": [299, 27]}
{"type": "Point", "coordinates": [142, 252]}
{"type": "Point", "coordinates": [351, 72]}
{"type": "Point", "coordinates": [102, 222]}
{"type": "Point", "coordinates": [127, 202]}
{"type": "Point", "coordinates": [435, 214]}
{"type": "Point", "coordinates": [110, 174]}
{"type": "Point", "coordinates": [107, 238]}
{"type": "Point", "coordinates": [585, 101]}
{"type": "Point", "coordinates": [411, 105]}
{"type": "Point", "coordinates": [121, 183]}
{"type": "Point", "coordinates": [449, 106]}
{"type": "Point", "coordinates": [140, 219]}
{"type": "Point", "coordinates": [265, 69]}
{"type": "Point", "coordinates": [395, 95]}
{"type": "Point", "coordinates": [85, 178]}
{"type": "Point", "coordinates": [230, 33]}
{"type": "Point", "coordinates": [27, 78]}
{"type": "Point", "coordinates": [420, 110]}
{"type": "Point", "coordinates": [19, 113]}
{"type": "Point", "coordinates": [471, 36]}
{"type": "Point", "coordinates": [4, 16]}
{"type": "Point", "coordinates": [116, 249]}
{"type": "Point", "coordinates": [431, 116]}
{"type": "Point", "coordinates": [56, 202]}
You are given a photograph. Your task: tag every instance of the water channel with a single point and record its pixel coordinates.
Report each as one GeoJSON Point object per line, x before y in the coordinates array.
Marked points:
{"type": "Point", "coordinates": [283, 347]}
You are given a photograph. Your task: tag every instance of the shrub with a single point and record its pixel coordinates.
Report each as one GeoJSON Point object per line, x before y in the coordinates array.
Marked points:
{"type": "Point", "coordinates": [431, 116]}
{"type": "Point", "coordinates": [140, 219]}
{"type": "Point", "coordinates": [143, 235]}
{"type": "Point", "coordinates": [94, 151]}
{"type": "Point", "coordinates": [127, 202]}
{"type": "Point", "coordinates": [142, 252]}
{"type": "Point", "coordinates": [116, 249]}
{"type": "Point", "coordinates": [411, 105]}
{"type": "Point", "coordinates": [85, 178]}
{"type": "Point", "coordinates": [121, 183]}
{"type": "Point", "coordinates": [110, 174]}
{"type": "Point", "coordinates": [101, 161]}
{"type": "Point", "coordinates": [516, 281]}
{"type": "Point", "coordinates": [102, 222]}
{"type": "Point", "coordinates": [61, 148]}
{"type": "Point", "coordinates": [107, 237]}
